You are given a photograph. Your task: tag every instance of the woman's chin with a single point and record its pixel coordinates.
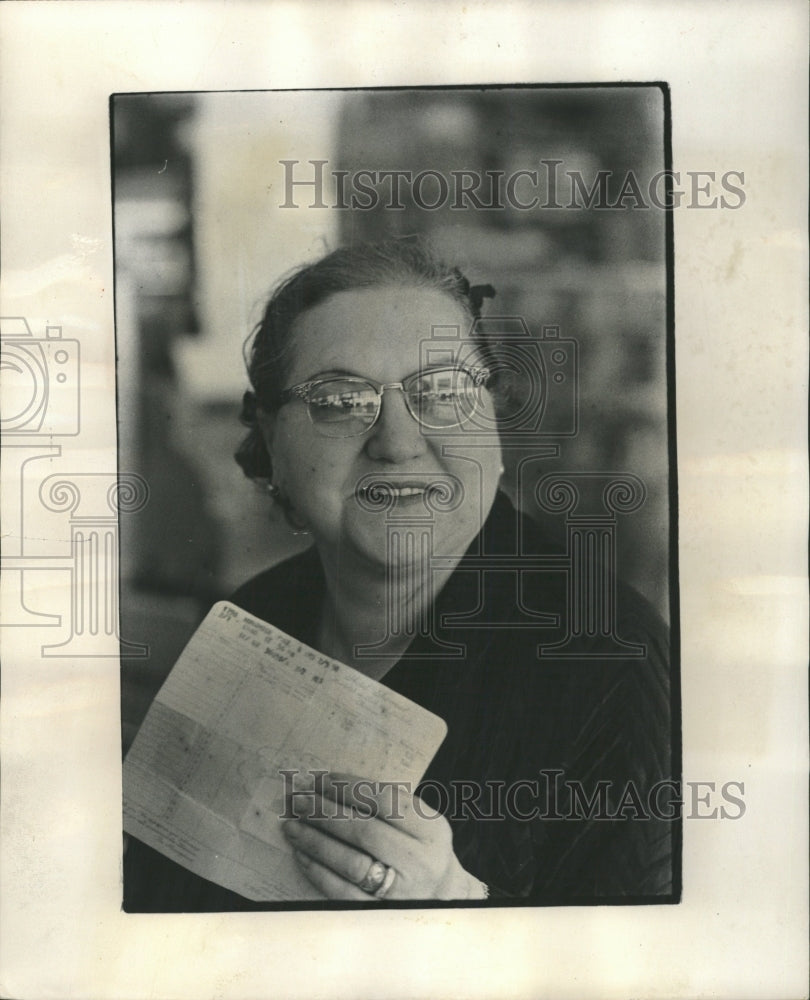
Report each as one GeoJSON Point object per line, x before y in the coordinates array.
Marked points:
{"type": "Point", "coordinates": [390, 543]}
{"type": "Point", "coordinates": [382, 549]}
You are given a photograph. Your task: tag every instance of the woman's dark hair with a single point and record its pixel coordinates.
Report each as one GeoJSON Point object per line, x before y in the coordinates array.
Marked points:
{"type": "Point", "coordinates": [367, 265]}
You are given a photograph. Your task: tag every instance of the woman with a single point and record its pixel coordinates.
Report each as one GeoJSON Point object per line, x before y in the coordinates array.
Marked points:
{"type": "Point", "coordinates": [360, 426]}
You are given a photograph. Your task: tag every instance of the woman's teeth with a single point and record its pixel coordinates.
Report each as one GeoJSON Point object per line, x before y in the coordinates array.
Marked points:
{"type": "Point", "coordinates": [407, 491]}
{"type": "Point", "coordinates": [396, 492]}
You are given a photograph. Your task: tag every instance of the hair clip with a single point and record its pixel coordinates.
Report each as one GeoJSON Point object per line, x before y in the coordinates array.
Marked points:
{"type": "Point", "coordinates": [475, 293]}
{"type": "Point", "coordinates": [478, 293]}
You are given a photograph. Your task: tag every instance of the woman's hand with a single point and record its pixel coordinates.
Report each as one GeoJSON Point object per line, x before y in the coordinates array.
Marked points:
{"type": "Point", "coordinates": [375, 821]}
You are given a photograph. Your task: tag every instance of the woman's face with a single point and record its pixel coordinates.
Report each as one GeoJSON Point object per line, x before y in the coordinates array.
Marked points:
{"type": "Point", "coordinates": [380, 333]}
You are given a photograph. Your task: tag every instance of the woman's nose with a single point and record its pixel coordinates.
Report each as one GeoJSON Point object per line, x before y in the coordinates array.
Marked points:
{"type": "Point", "coordinates": [396, 436]}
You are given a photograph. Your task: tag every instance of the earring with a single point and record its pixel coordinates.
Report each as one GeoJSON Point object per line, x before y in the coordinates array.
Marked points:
{"type": "Point", "coordinates": [273, 491]}
{"type": "Point", "coordinates": [501, 470]}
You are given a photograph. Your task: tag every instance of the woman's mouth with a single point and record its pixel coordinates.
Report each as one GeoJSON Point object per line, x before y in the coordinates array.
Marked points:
{"type": "Point", "coordinates": [375, 492]}
{"type": "Point", "coordinates": [400, 492]}
{"type": "Point", "coordinates": [384, 493]}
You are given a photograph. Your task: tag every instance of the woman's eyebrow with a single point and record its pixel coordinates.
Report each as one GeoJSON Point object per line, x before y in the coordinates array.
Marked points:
{"type": "Point", "coordinates": [346, 372]}
{"type": "Point", "coordinates": [322, 373]}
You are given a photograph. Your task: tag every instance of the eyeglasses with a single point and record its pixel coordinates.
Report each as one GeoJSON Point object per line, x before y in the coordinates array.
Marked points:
{"type": "Point", "coordinates": [348, 405]}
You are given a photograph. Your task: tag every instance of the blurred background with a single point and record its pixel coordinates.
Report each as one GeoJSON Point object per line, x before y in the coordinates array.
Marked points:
{"type": "Point", "coordinates": [201, 239]}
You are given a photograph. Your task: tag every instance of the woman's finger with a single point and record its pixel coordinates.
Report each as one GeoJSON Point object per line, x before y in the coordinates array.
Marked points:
{"type": "Point", "coordinates": [333, 886]}
{"type": "Point", "coordinates": [346, 861]}
{"type": "Point", "coordinates": [355, 817]}
{"type": "Point", "coordinates": [422, 863]}
{"type": "Point", "coordinates": [390, 801]}
{"type": "Point", "coordinates": [365, 835]}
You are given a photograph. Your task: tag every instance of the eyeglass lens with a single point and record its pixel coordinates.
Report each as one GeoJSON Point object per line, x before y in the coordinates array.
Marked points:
{"type": "Point", "coordinates": [344, 407]}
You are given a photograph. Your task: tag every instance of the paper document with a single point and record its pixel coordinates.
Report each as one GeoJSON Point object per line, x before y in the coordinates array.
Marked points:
{"type": "Point", "coordinates": [202, 780]}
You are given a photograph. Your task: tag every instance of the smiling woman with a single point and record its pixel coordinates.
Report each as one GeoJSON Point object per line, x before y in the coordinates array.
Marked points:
{"type": "Point", "coordinates": [380, 439]}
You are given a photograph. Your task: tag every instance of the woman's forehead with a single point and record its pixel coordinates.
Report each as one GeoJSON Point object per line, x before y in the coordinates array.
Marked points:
{"type": "Point", "coordinates": [381, 330]}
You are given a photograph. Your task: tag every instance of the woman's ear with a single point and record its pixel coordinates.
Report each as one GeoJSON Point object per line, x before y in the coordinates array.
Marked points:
{"type": "Point", "coordinates": [267, 426]}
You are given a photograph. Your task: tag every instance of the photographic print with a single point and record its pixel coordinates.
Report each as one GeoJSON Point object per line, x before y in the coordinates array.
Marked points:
{"type": "Point", "coordinates": [491, 265]}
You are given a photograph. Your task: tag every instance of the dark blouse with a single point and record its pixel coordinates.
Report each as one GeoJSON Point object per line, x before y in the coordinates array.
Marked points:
{"type": "Point", "coordinates": [556, 772]}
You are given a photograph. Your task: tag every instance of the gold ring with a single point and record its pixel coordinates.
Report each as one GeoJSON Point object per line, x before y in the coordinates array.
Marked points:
{"type": "Point", "coordinates": [388, 881]}
{"type": "Point", "coordinates": [374, 878]}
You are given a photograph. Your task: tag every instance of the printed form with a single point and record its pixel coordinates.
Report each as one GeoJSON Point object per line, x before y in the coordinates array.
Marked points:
{"type": "Point", "coordinates": [202, 780]}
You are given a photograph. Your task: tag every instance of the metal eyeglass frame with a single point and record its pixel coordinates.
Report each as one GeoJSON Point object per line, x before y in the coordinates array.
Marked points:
{"type": "Point", "coordinates": [303, 390]}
